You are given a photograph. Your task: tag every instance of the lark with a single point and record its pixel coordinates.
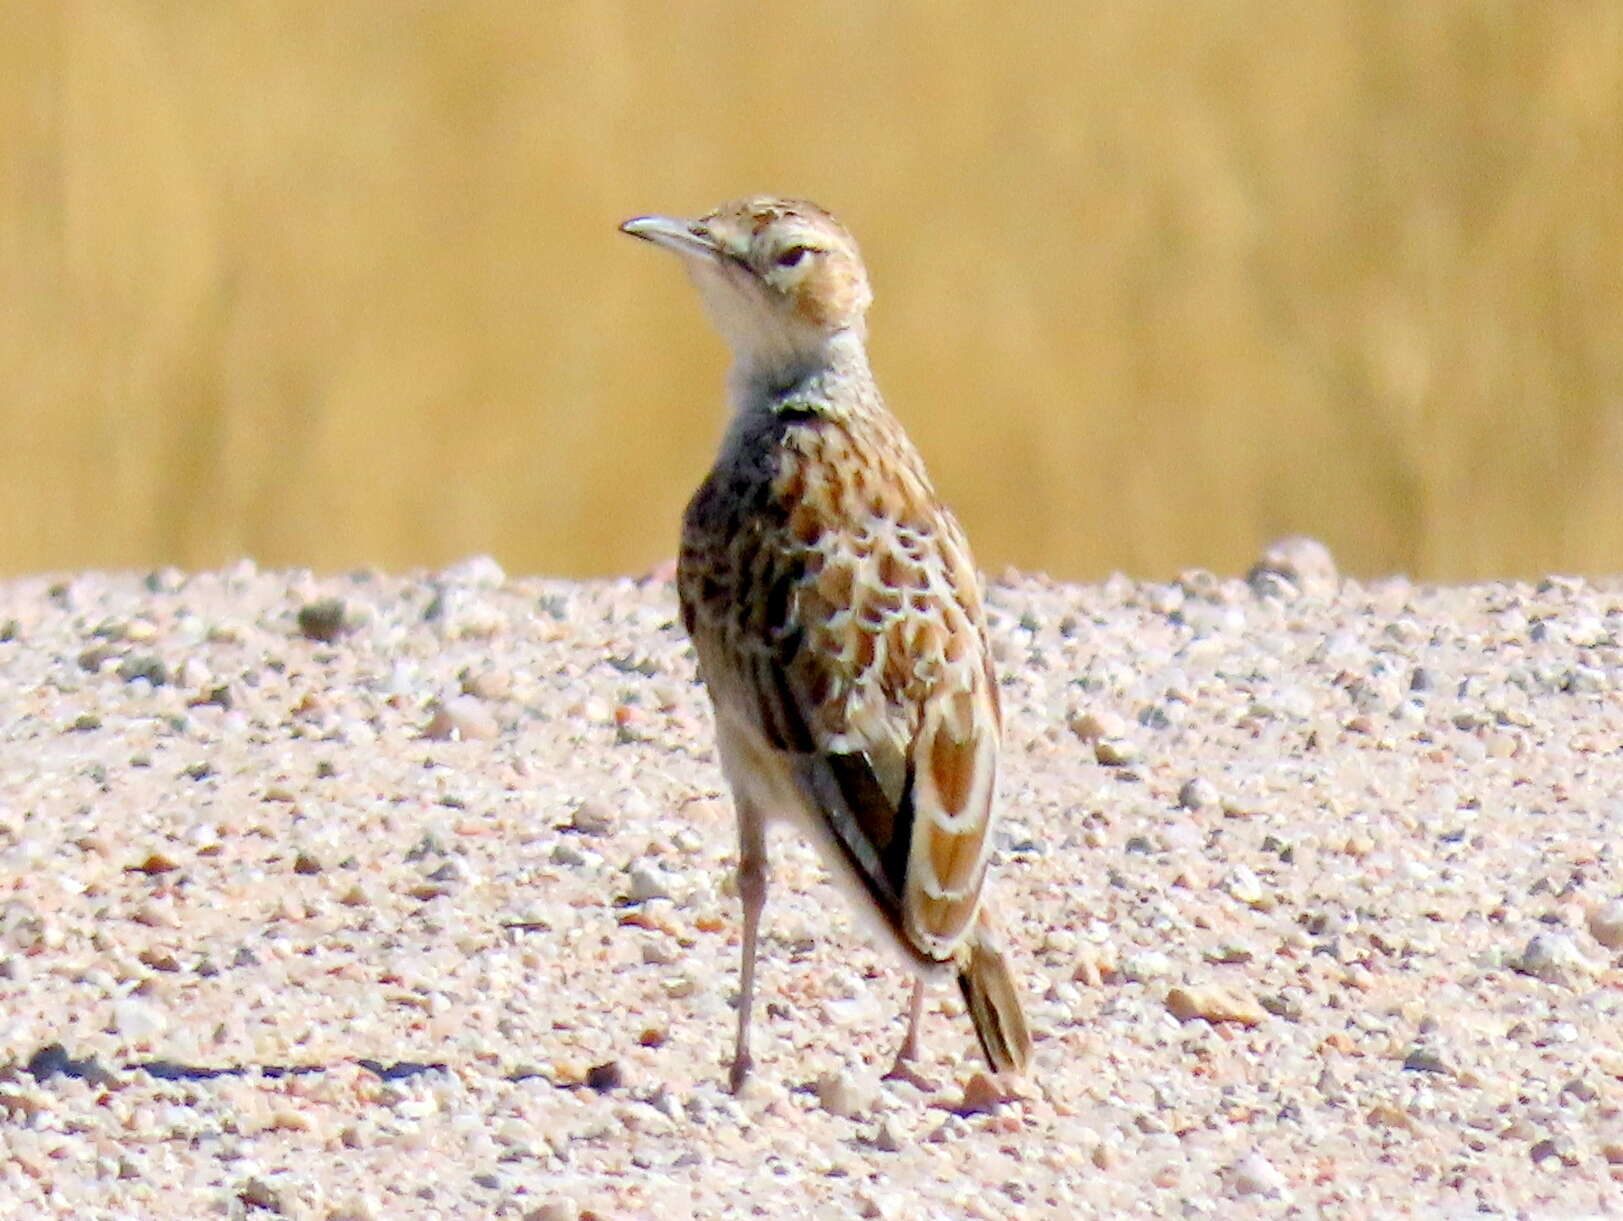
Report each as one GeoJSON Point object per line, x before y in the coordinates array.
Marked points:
{"type": "Point", "coordinates": [837, 618]}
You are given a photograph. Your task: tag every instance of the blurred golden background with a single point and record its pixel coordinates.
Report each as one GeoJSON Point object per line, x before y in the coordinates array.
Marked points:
{"type": "Point", "coordinates": [334, 284]}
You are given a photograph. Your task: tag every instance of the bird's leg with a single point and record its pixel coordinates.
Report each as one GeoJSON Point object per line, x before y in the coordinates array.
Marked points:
{"type": "Point", "coordinates": [752, 890]}
{"type": "Point", "coordinates": [902, 1069]}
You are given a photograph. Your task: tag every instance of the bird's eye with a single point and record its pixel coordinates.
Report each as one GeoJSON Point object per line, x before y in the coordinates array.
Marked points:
{"type": "Point", "coordinates": [793, 255]}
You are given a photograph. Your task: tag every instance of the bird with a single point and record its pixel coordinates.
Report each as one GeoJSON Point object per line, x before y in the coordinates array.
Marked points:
{"type": "Point", "coordinates": [838, 620]}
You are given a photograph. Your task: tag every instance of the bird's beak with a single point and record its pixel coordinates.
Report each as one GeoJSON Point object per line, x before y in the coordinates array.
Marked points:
{"type": "Point", "coordinates": [672, 233]}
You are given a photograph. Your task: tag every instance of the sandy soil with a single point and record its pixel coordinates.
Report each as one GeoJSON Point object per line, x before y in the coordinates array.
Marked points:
{"type": "Point", "coordinates": [416, 904]}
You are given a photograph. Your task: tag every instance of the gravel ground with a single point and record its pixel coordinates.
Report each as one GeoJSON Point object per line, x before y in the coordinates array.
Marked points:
{"type": "Point", "coordinates": [383, 897]}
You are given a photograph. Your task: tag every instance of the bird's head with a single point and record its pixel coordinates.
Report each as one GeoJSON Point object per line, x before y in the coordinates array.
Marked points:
{"type": "Point", "coordinates": [782, 279]}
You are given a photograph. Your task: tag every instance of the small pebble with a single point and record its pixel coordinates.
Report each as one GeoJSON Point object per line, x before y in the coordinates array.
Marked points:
{"type": "Point", "coordinates": [1286, 1004]}
{"type": "Point", "coordinates": [1255, 1175]}
{"type": "Point", "coordinates": [156, 863]}
{"type": "Point", "coordinates": [1581, 1089]}
{"type": "Point", "coordinates": [1304, 562]}
{"type": "Point", "coordinates": [1553, 958]}
{"type": "Point", "coordinates": [150, 668]}
{"type": "Point", "coordinates": [1097, 724]}
{"type": "Point", "coordinates": [256, 1193]}
{"type": "Point", "coordinates": [1246, 887]}
{"type": "Point", "coordinates": [984, 1093]}
{"type": "Point", "coordinates": [1197, 794]}
{"type": "Point", "coordinates": [660, 952]}
{"type": "Point", "coordinates": [462, 613]}
{"type": "Point", "coordinates": [489, 684]}
{"type": "Point", "coordinates": [323, 620]}
{"type": "Point", "coordinates": [462, 719]}
{"type": "Point", "coordinates": [1215, 1005]}
{"type": "Point", "coordinates": [285, 1119]}
{"type": "Point", "coordinates": [193, 674]}
{"type": "Point", "coordinates": [1556, 1148]}
{"type": "Point", "coordinates": [1115, 752]}
{"type": "Point", "coordinates": [566, 853]}
{"type": "Point", "coordinates": [647, 881]}
{"type": "Point", "coordinates": [1425, 1059]}
{"type": "Point", "coordinates": [1145, 966]}
{"type": "Point", "coordinates": [841, 1093]}
{"type": "Point", "coordinates": [554, 1210]}
{"type": "Point", "coordinates": [592, 817]}
{"type": "Point", "coordinates": [474, 572]}
{"type": "Point", "coordinates": [1606, 924]}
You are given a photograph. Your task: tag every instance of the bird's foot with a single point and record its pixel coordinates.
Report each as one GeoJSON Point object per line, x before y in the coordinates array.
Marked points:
{"type": "Point", "coordinates": [742, 1063]}
{"type": "Point", "coordinates": [903, 1070]}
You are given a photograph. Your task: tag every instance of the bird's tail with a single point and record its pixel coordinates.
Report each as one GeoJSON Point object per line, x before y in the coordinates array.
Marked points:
{"type": "Point", "coordinates": [993, 1000]}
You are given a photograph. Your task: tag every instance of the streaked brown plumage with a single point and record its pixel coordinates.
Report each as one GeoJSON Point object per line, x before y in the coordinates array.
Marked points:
{"type": "Point", "coordinates": [837, 616]}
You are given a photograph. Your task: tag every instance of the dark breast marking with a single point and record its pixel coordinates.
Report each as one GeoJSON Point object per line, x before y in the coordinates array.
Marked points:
{"type": "Point", "coordinates": [798, 413]}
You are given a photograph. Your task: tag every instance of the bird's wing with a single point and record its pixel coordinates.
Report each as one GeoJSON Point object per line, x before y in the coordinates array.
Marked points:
{"type": "Point", "coordinates": [843, 621]}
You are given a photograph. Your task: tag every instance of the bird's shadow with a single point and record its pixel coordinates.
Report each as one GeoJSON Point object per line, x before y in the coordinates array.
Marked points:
{"type": "Point", "coordinates": [54, 1060]}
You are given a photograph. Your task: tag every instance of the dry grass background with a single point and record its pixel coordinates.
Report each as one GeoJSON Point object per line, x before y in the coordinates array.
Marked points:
{"type": "Point", "coordinates": [333, 284]}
